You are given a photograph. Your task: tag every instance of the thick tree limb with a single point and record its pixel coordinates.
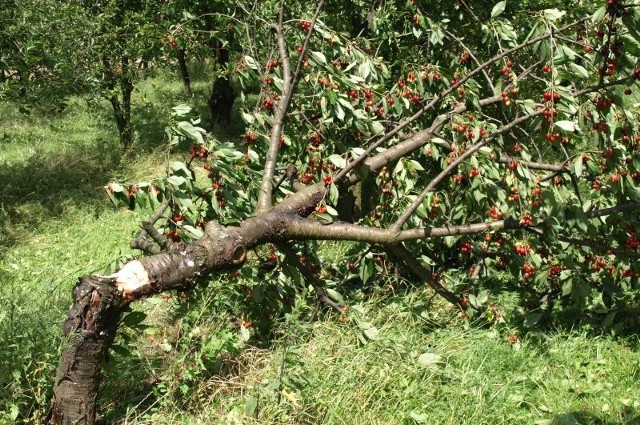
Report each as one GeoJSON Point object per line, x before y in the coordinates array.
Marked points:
{"type": "Point", "coordinates": [99, 301]}
{"type": "Point", "coordinates": [631, 206]}
{"type": "Point", "coordinates": [600, 247]}
{"type": "Point", "coordinates": [90, 329]}
{"type": "Point", "coordinates": [304, 229]}
{"type": "Point", "coordinates": [506, 159]}
{"type": "Point", "coordinates": [408, 145]}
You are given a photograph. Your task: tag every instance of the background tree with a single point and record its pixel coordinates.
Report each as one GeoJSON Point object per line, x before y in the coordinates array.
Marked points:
{"type": "Point", "coordinates": [496, 158]}
{"type": "Point", "coordinates": [76, 47]}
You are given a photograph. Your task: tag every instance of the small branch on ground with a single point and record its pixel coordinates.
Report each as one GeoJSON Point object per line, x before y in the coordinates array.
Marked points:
{"type": "Point", "coordinates": [402, 254]}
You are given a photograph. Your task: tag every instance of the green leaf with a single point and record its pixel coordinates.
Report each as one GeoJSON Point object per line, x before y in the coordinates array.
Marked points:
{"type": "Point", "coordinates": [182, 109]}
{"type": "Point", "coordinates": [197, 233]}
{"type": "Point", "coordinates": [372, 333]}
{"type": "Point", "coordinates": [245, 335]}
{"type": "Point", "coordinates": [134, 318]}
{"type": "Point", "coordinates": [190, 131]}
{"type": "Point", "coordinates": [115, 187]}
{"type": "Point", "coordinates": [180, 166]}
{"type": "Point", "coordinates": [319, 57]}
{"type": "Point", "coordinates": [478, 196]}
{"type": "Point", "coordinates": [377, 128]}
{"type": "Point", "coordinates": [333, 194]}
{"type": "Point", "coordinates": [251, 63]}
{"type": "Point", "coordinates": [578, 166]}
{"type": "Point", "coordinates": [599, 15]}
{"type": "Point", "coordinates": [338, 161]}
{"type": "Point", "coordinates": [554, 14]}
{"type": "Point", "coordinates": [498, 9]}
{"type": "Point", "coordinates": [246, 117]}
{"type": "Point", "coordinates": [566, 125]}
{"type": "Point", "coordinates": [532, 319]}
{"type": "Point", "coordinates": [339, 112]}
{"type": "Point", "coordinates": [366, 271]}
{"type": "Point", "coordinates": [579, 70]}
{"type": "Point", "coordinates": [429, 359]}
{"type": "Point", "coordinates": [420, 418]}
{"type": "Point", "coordinates": [250, 406]}
{"type": "Point", "coordinates": [364, 69]}
{"type": "Point", "coordinates": [176, 181]}
{"type": "Point", "coordinates": [335, 295]}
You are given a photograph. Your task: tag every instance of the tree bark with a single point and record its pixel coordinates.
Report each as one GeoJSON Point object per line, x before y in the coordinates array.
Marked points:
{"type": "Point", "coordinates": [184, 71]}
{"type": "Point", "coordinates": [89, 331]}
{"type": "Point", "coordinates": [99, 301]}
{"type": "Point", "coordinates": [222, 94]}
{"type": "Point", "coordinates": [121, 108]}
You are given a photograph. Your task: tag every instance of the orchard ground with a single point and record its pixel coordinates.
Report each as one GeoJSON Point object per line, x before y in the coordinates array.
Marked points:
{"type": "Point", "coordinates": [396, 356]}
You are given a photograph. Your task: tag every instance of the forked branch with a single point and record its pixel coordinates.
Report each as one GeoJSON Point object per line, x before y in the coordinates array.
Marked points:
{"type": "Point", "coordinates": [289, 85]}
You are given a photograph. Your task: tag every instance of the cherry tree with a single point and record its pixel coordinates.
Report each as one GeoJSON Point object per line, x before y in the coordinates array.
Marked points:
{"type": "Point", "coordinates": [475, 149]}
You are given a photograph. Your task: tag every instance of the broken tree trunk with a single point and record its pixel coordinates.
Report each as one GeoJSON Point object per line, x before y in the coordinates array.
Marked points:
{"type": "Point", "coordinates": [99, 301]}
{"type": "Point", "coordinates": [90, 329]}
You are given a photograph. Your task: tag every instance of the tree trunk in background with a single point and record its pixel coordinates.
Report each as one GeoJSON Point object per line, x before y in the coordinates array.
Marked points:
{"type": "Point", "coordinates": [184, 71]}
{"type": "Point", "coordinates": [222, 94]}
{"type": "Point", "coordinates": [121, 108]}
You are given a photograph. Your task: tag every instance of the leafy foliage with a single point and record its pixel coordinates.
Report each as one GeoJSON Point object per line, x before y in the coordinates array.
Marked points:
{"type": "Point", "coordinates": [534, 125]}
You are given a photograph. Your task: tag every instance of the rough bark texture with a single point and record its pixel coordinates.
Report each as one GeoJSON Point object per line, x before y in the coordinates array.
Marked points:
{"type": "Point", "coordinates": [90, 329]}
{"type": "Point", "coordinates": [99, 301]}
{"type": "Point", "coordinates": [184, 71]}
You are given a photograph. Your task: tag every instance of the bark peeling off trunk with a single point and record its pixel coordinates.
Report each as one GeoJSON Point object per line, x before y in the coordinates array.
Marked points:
{"type": "Point", "coordinates": [90, 329]}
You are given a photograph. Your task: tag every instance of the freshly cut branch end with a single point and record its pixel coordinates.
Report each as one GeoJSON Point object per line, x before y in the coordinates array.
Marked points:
{"type": "Point", "coordinates": [131, 277]}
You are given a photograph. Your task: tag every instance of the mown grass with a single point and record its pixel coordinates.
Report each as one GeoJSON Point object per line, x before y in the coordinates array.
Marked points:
{"type": "Point", "coordinates": [423, 365]}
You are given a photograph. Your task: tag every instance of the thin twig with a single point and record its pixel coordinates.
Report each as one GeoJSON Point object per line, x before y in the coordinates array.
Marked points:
{"type": "Point", "coordinates": [436, 180]}
{"type": "Point", "coordinates": [158, 241]}
{"type": "Point", "coordinates": [311, 278]}
{"type": "Point", "coordinates": [421, 272]}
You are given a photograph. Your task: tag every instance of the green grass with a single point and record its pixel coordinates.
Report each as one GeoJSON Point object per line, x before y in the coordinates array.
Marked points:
{"type": "Point", "coordinates": [422, 368]}
{"type": "Point", "coordinates": [426, 365]}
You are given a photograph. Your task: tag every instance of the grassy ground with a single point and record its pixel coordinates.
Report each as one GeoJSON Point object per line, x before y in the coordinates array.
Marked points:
{"type": "Point", "coordinates": [395, 358]}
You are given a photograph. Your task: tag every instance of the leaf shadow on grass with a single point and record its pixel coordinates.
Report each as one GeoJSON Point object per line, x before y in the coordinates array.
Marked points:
{"type": "Point", "coordinates": [41, 187]}
{"type": "Point", "coordinates": [149, 118]}
{"type": "Point", "coordinates": [588, 418]}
